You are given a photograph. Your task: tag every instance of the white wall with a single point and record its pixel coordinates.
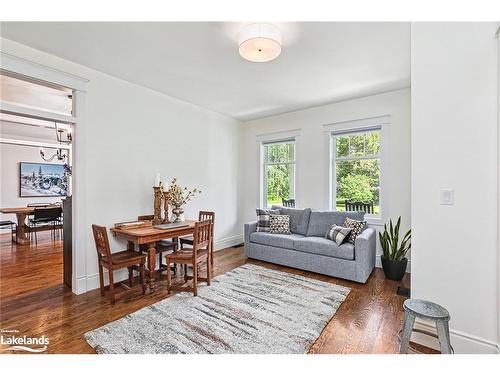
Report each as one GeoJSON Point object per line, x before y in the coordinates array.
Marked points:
{"type": "Point", "coordinates": [10, 156]}
{"type": "Point", "coordinates": [313, 152]}
{"type": "Point", "coordinates": [455, 145]}
{"type": "Point", "coordinates": [498, 182]}
{"type": "Point", "coordinates": [132, 132]}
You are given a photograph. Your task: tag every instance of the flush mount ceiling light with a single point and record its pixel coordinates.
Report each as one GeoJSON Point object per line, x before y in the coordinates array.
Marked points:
{"type": "Point", "coordinates": [260, 42]}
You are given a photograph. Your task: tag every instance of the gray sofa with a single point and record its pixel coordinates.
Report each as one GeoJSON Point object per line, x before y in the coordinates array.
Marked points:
{"type": "Point", "coordinates": [307, 248]}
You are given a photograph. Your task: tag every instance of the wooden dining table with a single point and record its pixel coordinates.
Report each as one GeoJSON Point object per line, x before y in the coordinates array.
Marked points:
{"type": "Point", "coordinates": [21, 213]}
{"type": "Point", "coordinates": [148, 236]}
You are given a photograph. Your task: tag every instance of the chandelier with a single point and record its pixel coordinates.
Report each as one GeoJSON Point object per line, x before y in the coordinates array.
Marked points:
{"type": "Point", "coordinates": [62, 138]}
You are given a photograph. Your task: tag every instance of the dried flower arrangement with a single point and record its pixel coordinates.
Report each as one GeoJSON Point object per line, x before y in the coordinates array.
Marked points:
{"type": "Point", "coordinates": [178, 196]}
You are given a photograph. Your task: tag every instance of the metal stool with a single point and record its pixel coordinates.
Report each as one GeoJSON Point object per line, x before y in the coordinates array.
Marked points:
{"type": "Point", "coordinates": [417, 308]}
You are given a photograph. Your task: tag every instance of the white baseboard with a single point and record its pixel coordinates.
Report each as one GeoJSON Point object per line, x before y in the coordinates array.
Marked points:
{"type": "Point", "coordinates": [81, 285]}
{"type": "Point", "coordinates": [378, 264]}
{"type": "Point", "coordinates": [463, 343]}
{"type": "Point", "coordinates": [223, 243]}
{"type": "Point", "coordinates": [93, 280]}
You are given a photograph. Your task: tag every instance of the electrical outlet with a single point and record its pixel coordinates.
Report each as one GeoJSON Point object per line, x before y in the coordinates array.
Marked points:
{"type": "Point", "coordinates": [447, 197]}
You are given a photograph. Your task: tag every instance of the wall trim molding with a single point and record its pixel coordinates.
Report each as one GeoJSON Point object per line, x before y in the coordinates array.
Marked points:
{"type": "Point", "coordinates": [223, 243]}
{"type": "Point", "coordinates": [276, 136]}
{"type": "Point", "coordinates": [80, 286]}
{"type": "Point", "coordinates": [358, 123]}
{"type": "Point", "coordinates": [42, 73]}
{"type": "Point", "coordinates": [463, 343]}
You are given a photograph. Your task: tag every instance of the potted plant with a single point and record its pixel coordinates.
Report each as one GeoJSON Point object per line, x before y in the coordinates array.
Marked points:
{"type": "Point", "coordinates": [393, 257]}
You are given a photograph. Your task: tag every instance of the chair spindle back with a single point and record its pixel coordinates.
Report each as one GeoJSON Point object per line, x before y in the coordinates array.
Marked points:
{"type": "Point", "coordinates": [101, 241]}
{"type": "Point", "coordinates": [202, 236]}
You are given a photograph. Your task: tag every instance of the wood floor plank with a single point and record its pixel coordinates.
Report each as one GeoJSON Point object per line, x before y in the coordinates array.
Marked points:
{"type": "Point", "coordinates": [34, 301]}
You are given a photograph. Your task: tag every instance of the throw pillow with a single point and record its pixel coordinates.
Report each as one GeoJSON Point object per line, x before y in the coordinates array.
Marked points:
{"type": "Point", "coordinates": [263, 219]}
{"type": "Point", "coordinates": [338, 234]}
{"type": "Point", "coordinates": [279, 224]}
{"type": "Point", "coordinates": [356, 228]}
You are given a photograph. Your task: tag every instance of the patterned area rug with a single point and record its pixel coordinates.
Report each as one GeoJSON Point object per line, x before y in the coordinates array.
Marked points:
{"type": "Point", "coordinates": [250, 309]}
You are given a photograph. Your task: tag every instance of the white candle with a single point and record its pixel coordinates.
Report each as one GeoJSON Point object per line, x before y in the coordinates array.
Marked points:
{"type": "Point", "coordinates": [157, 179]}
{"type": "Point", "coordinates": [165, 183]}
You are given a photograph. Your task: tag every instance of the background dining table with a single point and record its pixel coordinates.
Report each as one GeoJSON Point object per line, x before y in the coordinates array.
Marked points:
{"type": "Point", "coordinates": [21, 213]}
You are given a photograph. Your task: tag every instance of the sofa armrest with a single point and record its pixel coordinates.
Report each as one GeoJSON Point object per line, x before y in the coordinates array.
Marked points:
{"type": "Point", "coordinates": [365, 247]}
{"type": "Point", "coordinates": [249, 229]}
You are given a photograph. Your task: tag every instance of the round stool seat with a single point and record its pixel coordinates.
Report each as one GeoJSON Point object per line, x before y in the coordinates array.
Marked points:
{"type": "Point", "coordinates": [426, 309]}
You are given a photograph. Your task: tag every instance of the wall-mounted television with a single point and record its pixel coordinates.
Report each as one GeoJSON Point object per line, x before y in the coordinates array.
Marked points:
{"type": "Point", "coordinates": [42, 180]}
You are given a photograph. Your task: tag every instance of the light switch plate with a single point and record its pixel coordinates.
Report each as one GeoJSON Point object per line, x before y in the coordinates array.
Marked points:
{"type": "Point", "coordinates": [447, 197]}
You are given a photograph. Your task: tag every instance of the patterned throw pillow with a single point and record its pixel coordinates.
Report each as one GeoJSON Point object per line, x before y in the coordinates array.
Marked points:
{"type": "Point", "coordinates": [356, 226]}
{"type": "Point", "coordinates": [263, 219]}
{"type": "Point", "coordinates": [338, 234]}
{"type": "Point", "coordinates": [280, 224]}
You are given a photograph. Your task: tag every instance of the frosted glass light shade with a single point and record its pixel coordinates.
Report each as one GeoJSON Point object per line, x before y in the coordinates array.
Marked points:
{"type": "Point", "coordinates": [260, 42]}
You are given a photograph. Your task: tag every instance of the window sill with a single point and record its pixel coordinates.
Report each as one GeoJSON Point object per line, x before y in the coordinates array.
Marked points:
{"type": "Point", "coordinates": [375, 221]}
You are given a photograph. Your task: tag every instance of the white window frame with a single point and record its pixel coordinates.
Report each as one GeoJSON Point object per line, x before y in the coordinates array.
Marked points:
{"type": "Point", "coordinates": [266, 164]}
{"type": "Point", "coordinates": [359, 126]}
{"type": "Point", "coordinates": [274, 138]}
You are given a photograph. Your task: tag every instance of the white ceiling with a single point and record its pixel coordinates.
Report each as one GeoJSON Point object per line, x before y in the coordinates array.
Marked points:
{"type": "Point", "coordinates": [199, 62]}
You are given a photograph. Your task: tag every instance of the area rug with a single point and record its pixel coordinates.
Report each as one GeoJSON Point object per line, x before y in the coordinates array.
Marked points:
{"type": "Point", "coordinates": [250, 309]}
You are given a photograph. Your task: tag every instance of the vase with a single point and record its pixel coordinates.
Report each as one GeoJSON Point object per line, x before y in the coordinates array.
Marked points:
{"type": "Point", "coordinates": [394, 269]}
{"type": "Point", "coordinates": [178, 211]}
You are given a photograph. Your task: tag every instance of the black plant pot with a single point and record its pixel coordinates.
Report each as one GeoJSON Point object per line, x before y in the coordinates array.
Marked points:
{"type": "Point", "coordinates": [394, 269]}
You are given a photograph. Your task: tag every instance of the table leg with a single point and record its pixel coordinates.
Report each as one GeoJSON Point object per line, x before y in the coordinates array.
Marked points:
{"type": "Point", "coordinates": [151, 265]}
{"type": "Point", "coordinates": [21, 237]}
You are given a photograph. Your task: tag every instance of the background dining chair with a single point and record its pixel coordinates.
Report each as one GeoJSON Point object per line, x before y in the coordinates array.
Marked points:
{"type": "Point", "coordinates": [12, 226]}
{"type": "Point", "coordinates": [162, 246]}
{"type": "Point", "coordinates": [202, 242]}
{"type": "Point", "coordinates": [129, 259]}
{"type": "Point", "coordinates": [45, 217]}
{"type": "Point", "coordinates": [202, 216]}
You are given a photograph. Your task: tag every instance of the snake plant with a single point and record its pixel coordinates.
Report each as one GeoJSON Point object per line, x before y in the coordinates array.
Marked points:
{"type": "Point", "coordinates": [389, 241]}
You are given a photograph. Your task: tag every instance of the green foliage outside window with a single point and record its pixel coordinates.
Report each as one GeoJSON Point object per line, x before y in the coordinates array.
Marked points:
{"type": "Point", "coordinates": [356, 187]}
{"type": "Point", "coordinates": [280, 175]}
{"type": "Point", "coordinates": [358, 168]}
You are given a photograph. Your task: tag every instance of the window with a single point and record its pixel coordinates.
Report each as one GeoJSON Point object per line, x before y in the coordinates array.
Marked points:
{"type": "Point", "coordinates": [278, 172]}
{"type": "Point", "coordinates": [356, 170]}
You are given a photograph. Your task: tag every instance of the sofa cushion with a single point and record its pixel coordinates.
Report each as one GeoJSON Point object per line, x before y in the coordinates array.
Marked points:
{"type": "Point", "coordinates": [323, 246]}
{"type": "Point", "coordinates": [356, 228]}
{"type": "Point", "coordinates": [320, 222]}
{"type": "Point", "coordinates": [276, 240]}
{"type": "Point", "coordinates": [263, 219]}
{"type": "Point", "coordinates": [338, 234]}
{"type": "Point", "coordinates": [299, 218]}
{"type": "Point", "coordinates": [279, 224]}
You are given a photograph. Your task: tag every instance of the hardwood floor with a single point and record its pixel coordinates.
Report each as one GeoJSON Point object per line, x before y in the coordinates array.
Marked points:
{"type": "Point", "coordinates": [34, 301]}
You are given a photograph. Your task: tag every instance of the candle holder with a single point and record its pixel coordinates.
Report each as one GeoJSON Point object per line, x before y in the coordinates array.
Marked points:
{"type": "Point", "coordinates": [165, 208]}
{"type": "Point", "coordinates": [157, 205]}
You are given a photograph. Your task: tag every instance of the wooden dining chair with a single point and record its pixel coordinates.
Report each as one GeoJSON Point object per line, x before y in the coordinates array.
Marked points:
{"type": "Point", "coordinates": [202, 216]}
{"type": "Point", "coordinates": [161, 246]}
{"type": "Point", "coordinates": [129, 259]}
{"type": "Point", "coordinates": [202, 243]}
